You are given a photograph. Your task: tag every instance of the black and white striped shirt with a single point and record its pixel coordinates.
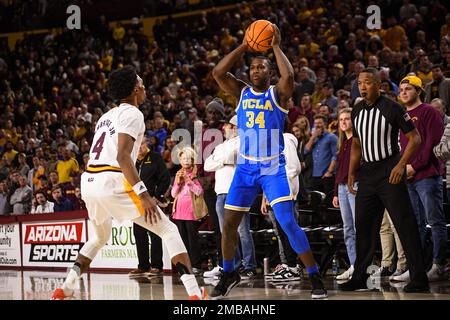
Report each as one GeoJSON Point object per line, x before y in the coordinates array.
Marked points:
{"type": "Point", "coordinates": [377, 126]}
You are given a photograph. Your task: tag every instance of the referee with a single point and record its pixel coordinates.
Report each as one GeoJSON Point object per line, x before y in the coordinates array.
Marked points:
{"type": "Point", "coordinates": [376, 123]}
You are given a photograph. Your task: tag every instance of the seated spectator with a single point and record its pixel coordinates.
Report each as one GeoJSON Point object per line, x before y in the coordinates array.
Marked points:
{"type": "Point", "coordinates": [43, 205]}
{"type": "Point", "coordinates": [61, 203]}
{"type": "Point", "coordinates": [79, 205]}
{"type": "Point", "coordinates": [45, 187]}
{"type": "Point", "coordinates": [21, 198]}
{"type": "Point", "coordinates": [54, 179]}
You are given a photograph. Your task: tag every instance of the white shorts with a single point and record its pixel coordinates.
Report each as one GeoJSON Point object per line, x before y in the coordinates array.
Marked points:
{"type": "Point", "coordinates": [108, 194]}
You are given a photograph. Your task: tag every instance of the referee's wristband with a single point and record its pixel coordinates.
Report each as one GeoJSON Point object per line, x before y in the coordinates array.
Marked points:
{"type": "Point", "coordinates": [139, 188]}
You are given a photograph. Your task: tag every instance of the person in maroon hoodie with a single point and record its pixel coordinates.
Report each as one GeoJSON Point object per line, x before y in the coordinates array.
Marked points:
{"type": "Point", "coordinates": [343, 199]}
{"type": "Point", "coordinates": [424, 173]}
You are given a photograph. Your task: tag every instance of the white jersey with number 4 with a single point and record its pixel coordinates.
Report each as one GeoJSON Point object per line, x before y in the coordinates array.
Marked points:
{"type": "Point", "coordinates": [104, 188]}
{"type": "Point", "coordinates": [122, 119]}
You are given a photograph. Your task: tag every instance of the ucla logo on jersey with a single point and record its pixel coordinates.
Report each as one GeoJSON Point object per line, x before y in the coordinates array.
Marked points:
{"type": "Point", "coordinates": [257, 104]}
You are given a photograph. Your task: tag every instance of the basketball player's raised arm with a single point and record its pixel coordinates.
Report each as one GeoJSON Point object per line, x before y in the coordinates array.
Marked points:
{"type": "Point", "coordinates": [355, 159]}
{"type": "Point", "coordinates": [285, 86]}
{"type": "Point", "coordinates": [125, 147]}
{"type": "Point", "coordinates": [221, 73]}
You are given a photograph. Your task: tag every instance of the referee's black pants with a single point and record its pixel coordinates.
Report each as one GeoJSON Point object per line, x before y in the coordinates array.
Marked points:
{"type": "Point", "coordinates": [375, 193]}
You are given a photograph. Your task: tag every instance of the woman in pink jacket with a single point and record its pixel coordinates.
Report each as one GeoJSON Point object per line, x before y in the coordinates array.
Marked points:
{"type": "Point", "coordinates": [183, 214]}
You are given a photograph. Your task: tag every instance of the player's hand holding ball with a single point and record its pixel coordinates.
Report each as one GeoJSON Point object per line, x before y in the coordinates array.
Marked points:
{"type": "Point", "coordinates": [276, 39]}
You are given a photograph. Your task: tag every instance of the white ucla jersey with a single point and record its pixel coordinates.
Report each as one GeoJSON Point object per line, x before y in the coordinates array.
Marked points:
{"type": "Point", "coordinates": [124, 119]}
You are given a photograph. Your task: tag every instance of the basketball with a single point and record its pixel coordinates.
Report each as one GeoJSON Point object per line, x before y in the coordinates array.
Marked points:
{"type": "Point", "coordinates": [259, 35]}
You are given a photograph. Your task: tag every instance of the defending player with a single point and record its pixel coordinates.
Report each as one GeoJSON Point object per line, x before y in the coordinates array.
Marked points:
{"type": "Point", "coordinates": [111, 186]}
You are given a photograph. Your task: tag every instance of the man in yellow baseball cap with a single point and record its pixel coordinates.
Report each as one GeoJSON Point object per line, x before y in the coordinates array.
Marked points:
{"type": "Point", "coordinates": [414, 81]}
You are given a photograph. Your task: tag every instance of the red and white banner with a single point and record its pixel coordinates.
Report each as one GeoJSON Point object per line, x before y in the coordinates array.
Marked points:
{"type": "Point", "coordinates": [52, 244]}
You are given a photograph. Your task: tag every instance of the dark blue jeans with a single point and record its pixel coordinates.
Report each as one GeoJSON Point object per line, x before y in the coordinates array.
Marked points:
{"type": "Point", "coordinates": [426, 199]}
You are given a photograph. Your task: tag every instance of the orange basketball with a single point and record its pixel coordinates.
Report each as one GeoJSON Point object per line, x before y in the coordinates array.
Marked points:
{"type": "Point", "coordinates": [259, 35]}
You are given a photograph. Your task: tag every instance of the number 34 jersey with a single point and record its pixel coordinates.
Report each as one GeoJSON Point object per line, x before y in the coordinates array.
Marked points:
{"type": "Point", "coordinates": [122, 119]}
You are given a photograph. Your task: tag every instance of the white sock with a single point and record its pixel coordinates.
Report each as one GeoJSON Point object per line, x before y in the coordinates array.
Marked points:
{"type": "Point", "coordinates": [191, 285]}
{"type": "Point", "coordinates": [71, 283]}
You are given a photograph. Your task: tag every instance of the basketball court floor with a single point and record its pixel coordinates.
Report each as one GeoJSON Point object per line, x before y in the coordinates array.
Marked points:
{"type": "Point", "coordinates": [39, 285]}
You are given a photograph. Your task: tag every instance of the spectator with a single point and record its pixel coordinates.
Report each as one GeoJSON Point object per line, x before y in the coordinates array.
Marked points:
{"type": "Point", "coordinates": [343, 199]}
{"type": "Point", "coordinates": [439, 105]}
{"type": "Point", "coordinates": [62, 204]}
{"type": "Point", "coordinates": [323, 147]}
{"type": "Point", "coordinates": [9, 152]}
{"type": "Point", "coordinates": [79, 203]}
{"type": "Point", "coordinates": [34, 174]}
{"type": "Point", "coordinates": [21, 198]}
{"type": "Point", "coordinates": [301, 130]}
{"type": "Point", "coordinates": [43, 206]}
{"type": "Point", "coordinates": [223, 162]}
{"type": "Point", "coordinates": [306, 107]}
{"type": "Point", "coordinates": [290, 269]}
{"type": "Point", "coordinates": [155, 176]}
{"type": "Point", "coordinates": [159, 132]}
{"type": "Point", "coordinates": [439, 87]}
{"type": "Point", "coordinates": [67, 168]}
{"type": "Point", "coordinates": [338, 77]}
{"type": "Point", "coordinates": [424, 174]}
{"type": "Point", "coordinates": [23, 166]}
{"type": "Point", "coordinates": [304, 86]}
{"type": "Point", "coordinates": [54, 179]}
{"type": "Point", "coordinates": [329, 98]}
{"type": "Point", "coordinates": [4, 201]}
{"type": "Point", "coordinates": [186, 182]}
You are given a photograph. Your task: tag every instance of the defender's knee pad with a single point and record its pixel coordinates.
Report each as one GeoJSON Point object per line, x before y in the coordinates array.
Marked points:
{"type": "Point", "coordinates": [172, 239]}
{"type": "Point", "coordinates": [168, 232]}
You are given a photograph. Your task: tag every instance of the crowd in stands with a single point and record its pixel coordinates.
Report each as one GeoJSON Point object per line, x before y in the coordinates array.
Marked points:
{"type": "Point", "coordinates": [53, 87]}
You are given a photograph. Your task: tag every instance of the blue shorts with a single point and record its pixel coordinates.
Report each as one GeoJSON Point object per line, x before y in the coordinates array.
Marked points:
{"type": "Point", "coordinates": [251, 177]}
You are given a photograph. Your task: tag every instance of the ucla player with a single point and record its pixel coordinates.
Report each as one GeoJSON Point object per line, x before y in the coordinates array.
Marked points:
{"type": "Point", "coordinates": [261, 115]}
{"type": "Point", "coordinates": [111, 186]}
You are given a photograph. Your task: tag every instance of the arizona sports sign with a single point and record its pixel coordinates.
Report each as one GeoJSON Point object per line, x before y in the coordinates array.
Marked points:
{"type": "Point", "coordinates": [55, 243]}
